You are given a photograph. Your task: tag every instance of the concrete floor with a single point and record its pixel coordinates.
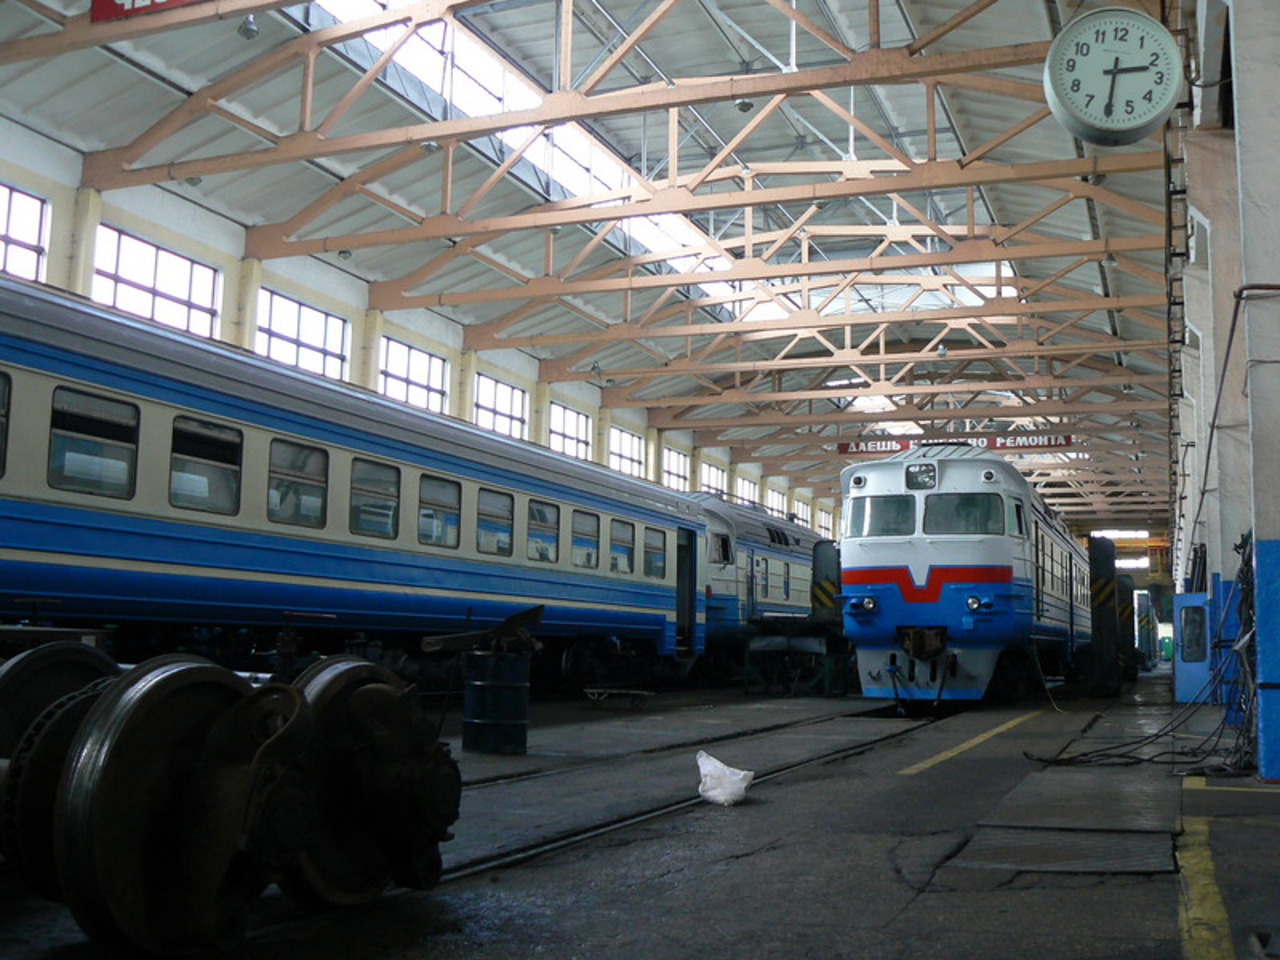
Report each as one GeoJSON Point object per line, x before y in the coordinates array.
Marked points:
{"type": "Point", "coordinates": [938, 843]}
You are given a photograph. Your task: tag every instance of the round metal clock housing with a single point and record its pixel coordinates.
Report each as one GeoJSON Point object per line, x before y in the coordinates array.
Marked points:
{"type": "Point", "coordinates": [1112, 76]}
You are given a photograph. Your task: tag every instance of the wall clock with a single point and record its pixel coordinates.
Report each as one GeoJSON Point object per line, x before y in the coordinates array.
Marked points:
{"type": "Point", "coordinates": [1112, 76]}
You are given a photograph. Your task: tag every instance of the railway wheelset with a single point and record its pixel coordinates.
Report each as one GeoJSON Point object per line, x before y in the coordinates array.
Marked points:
{"type": "Point", "coordinates": [158, 802]}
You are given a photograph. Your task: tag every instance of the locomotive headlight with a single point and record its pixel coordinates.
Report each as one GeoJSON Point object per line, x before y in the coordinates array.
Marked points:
{"type": "Point", "coordinates": [869, 604]}
{"type": "Point", "coordinates": [973, 603]}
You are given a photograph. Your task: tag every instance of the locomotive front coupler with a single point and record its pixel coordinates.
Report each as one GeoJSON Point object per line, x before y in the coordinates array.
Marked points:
{"type": "Point", "coordinates": [922, 643]}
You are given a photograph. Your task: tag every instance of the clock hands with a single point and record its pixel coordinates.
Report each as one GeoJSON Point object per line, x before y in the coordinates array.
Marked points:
{"type": "Point", "coordinates": [1114, 71]}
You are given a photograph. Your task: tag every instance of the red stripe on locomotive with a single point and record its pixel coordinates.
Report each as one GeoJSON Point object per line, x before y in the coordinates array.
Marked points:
{"type": "Point", "coordinates": [939, 577]}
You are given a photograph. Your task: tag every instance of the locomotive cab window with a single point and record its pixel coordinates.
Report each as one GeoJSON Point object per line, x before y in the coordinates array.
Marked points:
{"type": "Point", "coordinates": [298, 484]}
{"type": "Point", "coordinates": [93, 444]}
{"type": "Point", "coordinates": [964, 513]}
{"type": "Point", "coordinates": [721, 548]}
{"type": "Point", "coordinates": [4, 418]}
{"type": "Point", "coordinates": [375, 499]}
{"type": "Point", "coordinates": [1019, 518]}
{"type": "Point", "coordinates": [544, 532]}
{"type": "Point", "coordinates": [495, 523]}
{"type": "Point", "coordinates": [204, 466]}
{"type": "Point", "coordinates": [586, 540]}
{"type": "Point", "coordinates": [890, 516]}
{"type": "Point", "coordinates": [622, 546]}
{"type": "Point", "coordinates": [439, 509]}
{"type": "Point", "coordinates": [655, 553]}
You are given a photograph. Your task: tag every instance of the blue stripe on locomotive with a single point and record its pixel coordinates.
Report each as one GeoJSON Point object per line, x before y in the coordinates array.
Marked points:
{"type": "Point", "coordinates": [1008, 620]}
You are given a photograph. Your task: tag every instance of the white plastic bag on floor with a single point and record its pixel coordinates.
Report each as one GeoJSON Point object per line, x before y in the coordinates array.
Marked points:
{"type": "Point", "coordinates": [721, 784]}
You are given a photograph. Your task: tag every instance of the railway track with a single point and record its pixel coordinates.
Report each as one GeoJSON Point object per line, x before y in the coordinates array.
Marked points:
{"type": "Point", "coordinates": [496, 831]}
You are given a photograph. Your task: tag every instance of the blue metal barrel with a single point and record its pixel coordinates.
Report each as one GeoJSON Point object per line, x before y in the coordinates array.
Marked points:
{"type": "Point", "coordinates": [495, 701]}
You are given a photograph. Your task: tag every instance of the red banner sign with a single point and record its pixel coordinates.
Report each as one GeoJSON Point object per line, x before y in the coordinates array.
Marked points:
{"type": "Point", "coordinates": [116, 9]}
{"type": "Point", "coordinates": [1003, 441]}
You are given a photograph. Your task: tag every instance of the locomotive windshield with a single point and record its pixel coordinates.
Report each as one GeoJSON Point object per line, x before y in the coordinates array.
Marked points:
{"type": "Point", "coordinates": [972, 513]}
{"type": "Point", "coordinates": [893, 516]}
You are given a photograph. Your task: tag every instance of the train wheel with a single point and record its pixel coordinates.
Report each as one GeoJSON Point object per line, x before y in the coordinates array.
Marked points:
{"type": "Point", "coordinates": [31, 787]}
{"type": "Point", "coordinates": [386, 788]}
{"type": "Point", "coordinates": [154, 812]}
{"type": "Point", "coordinates": [37, 677]}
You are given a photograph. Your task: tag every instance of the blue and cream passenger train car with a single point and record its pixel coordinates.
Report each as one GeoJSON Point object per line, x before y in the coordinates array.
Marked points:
{"type": "Point", "coordinates": [181, 489]}
{"type": "Point", "coordinates": [954, 574]}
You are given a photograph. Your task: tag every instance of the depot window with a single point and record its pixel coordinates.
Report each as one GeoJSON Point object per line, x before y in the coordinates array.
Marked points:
{"type": "Point", "coordinates": [544, 532]}
{"type": "Point", "coordinates": [298, 484]}
{"type": "Point", "coordinates": [439, 509]}
{"type": "Point", "coordinates": [375, 499]}
{"type": "Point", "coordinates": [204, 466]}
{"type": "Point", "coordinates": [964, 513]}
{"type": "Point", "coordinates": [144, 279]}
{"type": "Point", "coordinates": [888, 516]}
{"type": "Point", "coordinates": [299, 335]}
{"type": "Point", "coordinates": [495, 523]}
{"type": "Point", "coordinates": [93, 444]}
{"type": "Point", "coordinates": [586, 540]}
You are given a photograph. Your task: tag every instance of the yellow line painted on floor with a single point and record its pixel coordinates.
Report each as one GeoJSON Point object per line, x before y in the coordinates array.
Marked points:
{"type": "Point", "coordinates": [1202, 783]}
{"type": "Point", "coordinates": [1202, 916]}
{"type": "Point", "coordinates": [967, 745]}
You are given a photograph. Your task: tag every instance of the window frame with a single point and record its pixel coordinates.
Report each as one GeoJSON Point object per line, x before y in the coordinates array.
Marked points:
{"type": "Point", "coordinates": [279, 476]}
{"type": "Point", "coordinates": [489, 519]}
{"type": "Point", "coordinates": [122, 259]}
{"type": "Point", "coordinates": [119, 434]}
{"type": "Point", "coordinates": [576, 531]}
{"type": "Point", "coordinates": [273, 339]}
{"type": "Point", "coordinates": [551, 525]}
{"type": "Point", "coordinates": [447, 509]}
{"type": "Point", "coordinates": [232, 467]}
{"type": "Point", "coordinates": [429, 393]}
{"type": "Point", "coordinates": [373, 494]}
{"type": "Point", "coordinates": [628, 546]}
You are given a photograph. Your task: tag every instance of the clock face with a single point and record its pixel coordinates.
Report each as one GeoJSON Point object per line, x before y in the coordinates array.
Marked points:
{"type": "Point", "coordinates": [1112, 76]}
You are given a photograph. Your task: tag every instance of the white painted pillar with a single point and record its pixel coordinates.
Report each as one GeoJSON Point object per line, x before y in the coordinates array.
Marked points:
{"type": "Point", "coordinates": [1255, 47]}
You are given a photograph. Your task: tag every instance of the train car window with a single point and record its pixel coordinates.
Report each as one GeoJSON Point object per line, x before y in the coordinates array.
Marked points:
{"type": "Point", "coordinates": [655, 553]}
{"type": "Point", "coordinates": [922, 476]}
{"type": "Point", "coordinates": [495, 527]}
{"type": "Point", "coordinates": [622, 546]}
{"type": "Point", "coordinates": [544, 532]}
{"type": "Point", "coordinates": [4, 418]}
{"type": "Point", "coordinates": [439, 510]}
{"type": "Point", "coordinates": [890, 516]}
{"type": "Point", "coordinates": [93, 444]}
{"type": "Point", "coordinates": [964, 513]}
{"type": "Point", "coordinates": [298, 484]}
{"type": "Point", "coordinates": [762, 575]}
{"type": "Point", "coordinates": [1019, 518]}
{"type": "Point", "coordinates": [721, 548]}
{"type": "Point", "coordinates": [375, 499]}
{"type": "Point", "coordinates": [786, 581]}
{"type": "Point", "coordinates": [204, 466]}
{"type": "Point", "coordinates": [586, 540]}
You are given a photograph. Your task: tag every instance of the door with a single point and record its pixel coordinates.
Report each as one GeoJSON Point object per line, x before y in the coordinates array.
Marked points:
{"type": "Point", "coordinates": [1191, 665]}
{"type": "Point", "coordinates": [686, 592]}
